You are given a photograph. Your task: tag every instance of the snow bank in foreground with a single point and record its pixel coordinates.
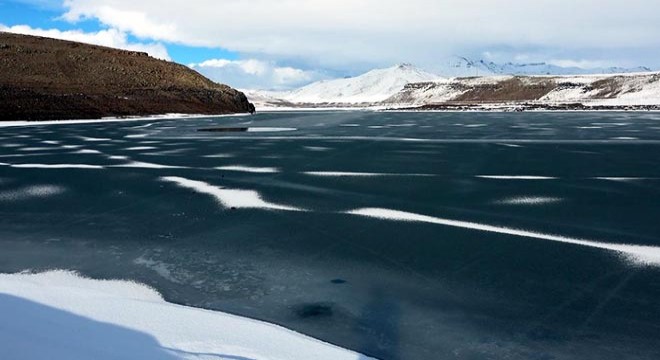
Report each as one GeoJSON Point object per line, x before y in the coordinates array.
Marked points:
{"type": "Point", "coordinates": [60, 315]}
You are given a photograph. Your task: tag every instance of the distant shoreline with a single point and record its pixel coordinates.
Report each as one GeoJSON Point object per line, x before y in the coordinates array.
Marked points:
{"type": "Point", "coordinates": [421, 109]}
{"type": "Point", "coordinates": [476, 108]}
{"type": "Point", "coordinates": [532, 107]}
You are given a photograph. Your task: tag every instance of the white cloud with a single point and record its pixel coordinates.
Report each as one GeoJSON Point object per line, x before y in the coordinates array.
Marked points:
{"type": "Point", "coordinates": [341, 32]}
{"type": "Point", "coordinates": [138, 23]}
{"type": "Point", "coordinates": [255, 74]}
{"type": "Point", "coordinates": [110, 37]}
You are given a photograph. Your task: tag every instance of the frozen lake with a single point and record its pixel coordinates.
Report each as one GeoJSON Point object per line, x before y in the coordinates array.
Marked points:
{"type": "Point", "coordinates": [398, 235]}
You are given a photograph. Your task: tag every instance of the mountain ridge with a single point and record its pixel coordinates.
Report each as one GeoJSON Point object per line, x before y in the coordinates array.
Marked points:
{"type": "Point", "coordinates": [460, 66]}
{"type": "Point", "coordinates": [635, 89]}
{"type": "Point", "coordinates": [405, 84]}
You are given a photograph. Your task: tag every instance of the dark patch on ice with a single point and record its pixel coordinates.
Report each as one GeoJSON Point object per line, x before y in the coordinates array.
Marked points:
{"type": "Point", "coordinates": [546, 334]}
{"type": "Point", "coordinates": [338, 281]}
{"type": "Point", "coordinates": [314, 310]}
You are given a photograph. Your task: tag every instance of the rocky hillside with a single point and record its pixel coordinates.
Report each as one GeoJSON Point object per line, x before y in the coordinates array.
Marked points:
{"type": "Point", "coordinates": [43, 78]}
{"type": "Point", "coordinates": [599, 90]}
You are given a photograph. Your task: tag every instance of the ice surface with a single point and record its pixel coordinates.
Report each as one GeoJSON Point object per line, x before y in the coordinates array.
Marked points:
{"type": "Point", "coordinates": [639, 254]}
{"type": "Point", "coordinates": [357, 174]}
{"type": "Point", "coordinates": [56, 166]}
{"type": "Point", "coordinates": [140, 148]}
{"type": "Point", "coordinates": [229, 198]}
{"type": "Point", "coordinates": [516, 177]}
{"type": "Point", "coordinates": [219, 156]}
{"type": "Point", "coordinates": [29, 192]}
{"type": "Point", "coordinates": [316, 148]}
{"type": "Point", "coordinates": [92, 139]}
{"type": "Point", "coordinates": [147, 165]}
{"type": "Point", "coordinates": [529, 200]}
{"type": "Point", "coordinates": [87, 151]}
{"type": "Point", "coordinates": [622, 179]}
{"type": "Point", "coordinates": [270, 129]}
{"type": "Point", "coordinates": [249, 169]}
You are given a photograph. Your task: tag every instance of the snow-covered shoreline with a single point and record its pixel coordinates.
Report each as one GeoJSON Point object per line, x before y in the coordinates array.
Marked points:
{"type": "Point", "coordinates": [502, 108]}
{"type": "Point", "coordinates": [61, 315]}
{"type": "Point", "coordinates": [110, 119]}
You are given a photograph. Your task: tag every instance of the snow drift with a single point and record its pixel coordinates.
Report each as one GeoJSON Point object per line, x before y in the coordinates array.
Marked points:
{"type": "Point", "coordinates": [60, 315]}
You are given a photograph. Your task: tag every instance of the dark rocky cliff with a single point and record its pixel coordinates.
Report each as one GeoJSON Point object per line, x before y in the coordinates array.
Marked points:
{"type": "Point", "coordinates": [42, 78]}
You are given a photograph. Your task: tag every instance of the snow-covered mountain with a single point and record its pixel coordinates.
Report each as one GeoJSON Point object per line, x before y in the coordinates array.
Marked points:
{"type": "Point", "coordinates": [637, 89]}
{"type": "Point", "coordinates": [405, 85]}
{"type": "Point", "coordinates": [371, 87]}
{"type": "Point", "coordinates": [262, 99]}
{"type": "Point", "coordinates": [459, 66]}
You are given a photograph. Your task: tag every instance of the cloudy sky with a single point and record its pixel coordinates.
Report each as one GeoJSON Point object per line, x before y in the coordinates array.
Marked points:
{"type": "Point", "coordinates": [279, 44]}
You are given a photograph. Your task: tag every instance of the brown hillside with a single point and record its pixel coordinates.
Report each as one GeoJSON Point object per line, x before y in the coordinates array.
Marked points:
{"type": "Point", "coordinates": [514, 89]}
{"type": "Point", "coordinates": [42, 78]}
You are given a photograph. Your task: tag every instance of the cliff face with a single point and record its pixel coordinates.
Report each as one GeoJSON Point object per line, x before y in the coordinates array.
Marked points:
{"type": "Point", "coordinates": [43, 78]}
